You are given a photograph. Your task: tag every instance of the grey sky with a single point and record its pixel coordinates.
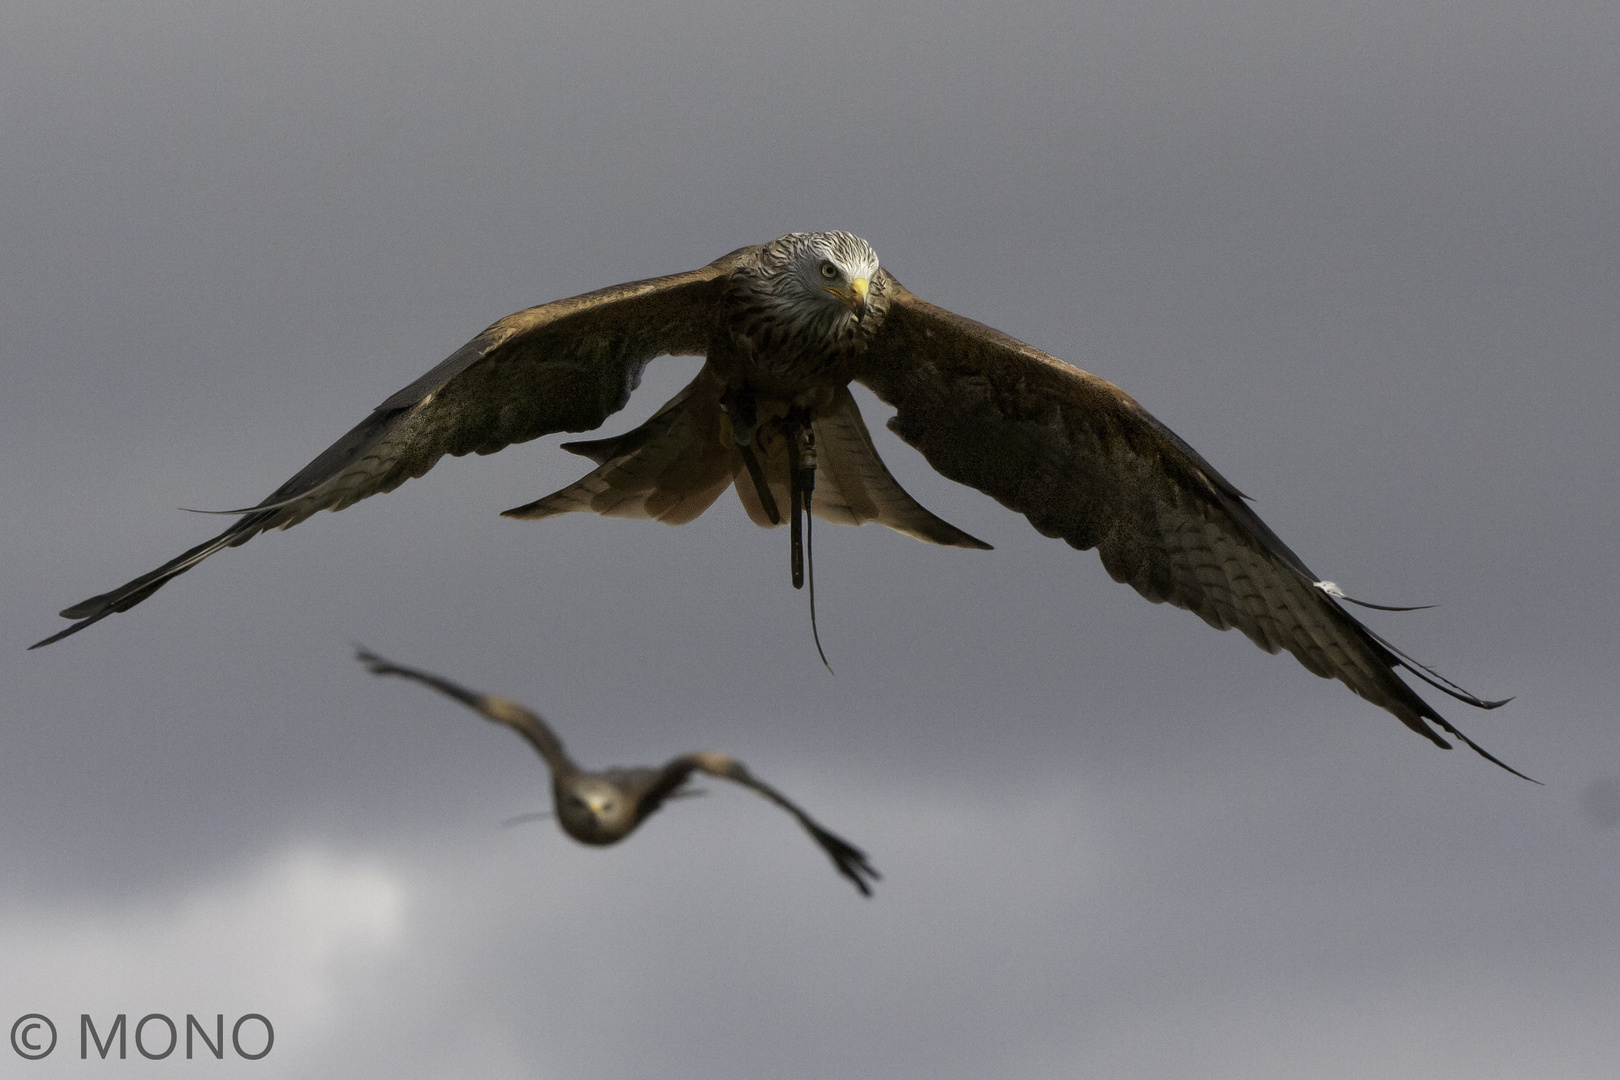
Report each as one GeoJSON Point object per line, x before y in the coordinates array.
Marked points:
{"type": "Point", "coordinates": [1363, 257]}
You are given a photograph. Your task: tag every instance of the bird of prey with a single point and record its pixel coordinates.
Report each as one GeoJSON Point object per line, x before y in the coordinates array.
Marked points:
{"type": "Point", "coordinates": [601, 808]}
{"type": "Point", "coordinates": [784, 328]}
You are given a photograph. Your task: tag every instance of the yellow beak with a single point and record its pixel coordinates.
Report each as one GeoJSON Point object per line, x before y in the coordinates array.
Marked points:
{"type": "Point", "coordinates": [855, 299]}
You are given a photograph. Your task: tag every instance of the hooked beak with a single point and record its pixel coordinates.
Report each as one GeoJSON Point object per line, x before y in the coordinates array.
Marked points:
{"type": "Point", "coordinates": [855, 299]}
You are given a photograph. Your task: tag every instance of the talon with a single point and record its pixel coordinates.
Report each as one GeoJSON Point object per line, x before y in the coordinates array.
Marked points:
{"type": "Point", "coordinates": [738, 404]}
{"type": "Point", "coordinates": [757, 475]}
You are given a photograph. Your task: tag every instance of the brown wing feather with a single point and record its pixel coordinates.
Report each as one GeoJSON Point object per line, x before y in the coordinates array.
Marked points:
{"type": "Point", "coordinates": [501, 710]}
{"type": "Point", "coordinates": [674, 466]}
{"type": "Point", "coordinates": [849, 860]}
{"type": "Point", "coordinates": [671, 468]}
{"type": "Point", "coordinates": [562, 366]}
{"type": "Point", "coordinates": [853, 485]}
{"type": "Point", "coordinates": [1085, 463]}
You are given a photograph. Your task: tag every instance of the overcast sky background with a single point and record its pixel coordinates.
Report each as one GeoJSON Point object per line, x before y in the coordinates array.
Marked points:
{"type": "Point", "coordinates": [1362, 256]}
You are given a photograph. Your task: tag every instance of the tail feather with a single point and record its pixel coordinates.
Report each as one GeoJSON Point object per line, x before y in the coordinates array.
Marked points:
{"type": "Point", "coordinates": [670, 469]}
{"type": "Point", "coordinates": [674, 466]}
{"type": "Point", "coordinates": [853, 486]}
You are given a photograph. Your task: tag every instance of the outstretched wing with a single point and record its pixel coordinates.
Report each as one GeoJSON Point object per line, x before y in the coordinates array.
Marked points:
{"type": "Point", "coordinates": [850, 860]}
{"type": "Point", "coordinates": [1087, 464]}
{"type": "Point", "coordinates": [562, 366]}
{"type": "Point", "coordinates": [499, 709]}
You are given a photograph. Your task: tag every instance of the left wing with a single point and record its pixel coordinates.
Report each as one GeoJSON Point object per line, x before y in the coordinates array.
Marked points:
{"type": "Point", "coordinates": [1085, 463]}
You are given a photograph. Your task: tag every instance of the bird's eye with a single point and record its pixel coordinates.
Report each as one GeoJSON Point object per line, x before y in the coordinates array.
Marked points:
{"type": "Point", "coordinates": [829, 271]}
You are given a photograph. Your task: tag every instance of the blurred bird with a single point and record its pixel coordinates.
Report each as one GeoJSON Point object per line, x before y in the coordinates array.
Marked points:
{"type": "Point", "coordinates": [604, 807]}
{"type": "Point", "coordinates": [785, 327]}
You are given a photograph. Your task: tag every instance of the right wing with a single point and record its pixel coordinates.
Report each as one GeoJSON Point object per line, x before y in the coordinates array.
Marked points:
{"type": "Point", "coordinates": [499, 709]}
{"type": "Point", "coordinates": [562, 366]}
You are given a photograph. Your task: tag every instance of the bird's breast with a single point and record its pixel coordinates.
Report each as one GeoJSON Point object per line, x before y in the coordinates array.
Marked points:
{"type": "Point", "coordinates": [779, 364]}
{"type": "Point", "coordinates": [782, 353]}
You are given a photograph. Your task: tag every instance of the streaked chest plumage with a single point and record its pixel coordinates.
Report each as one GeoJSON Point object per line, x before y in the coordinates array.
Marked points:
{"type": "Point", "coordinates": [782, 332]}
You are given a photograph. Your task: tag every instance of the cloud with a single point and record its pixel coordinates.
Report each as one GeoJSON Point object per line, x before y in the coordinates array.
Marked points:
{"type": "Point", "coordinates": [291, 936]}
{"type": "Point", "coordinates": [1046, 928]}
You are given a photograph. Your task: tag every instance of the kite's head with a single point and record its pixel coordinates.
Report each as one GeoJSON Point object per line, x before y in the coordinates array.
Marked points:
{"type": "Point", "coordinates": [840, 265]}
{"type": "Point", "coordinates": [822, 280]}
{"type": "Point", "coordinates": [593, 810]}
